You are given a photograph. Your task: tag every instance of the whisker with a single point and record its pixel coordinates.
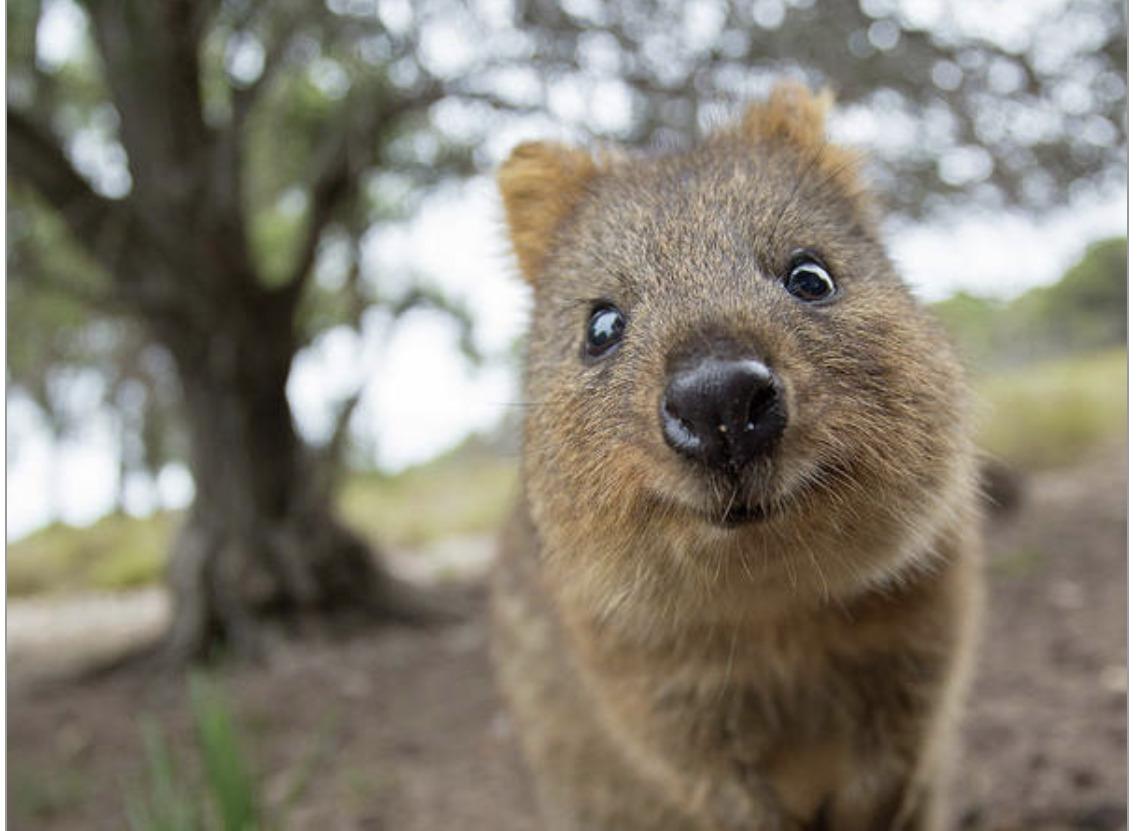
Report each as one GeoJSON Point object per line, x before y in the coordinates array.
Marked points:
{"type": "Point", "coordinates": [729, 663]}
{"type": "Point", "coordinates": [729, 504]}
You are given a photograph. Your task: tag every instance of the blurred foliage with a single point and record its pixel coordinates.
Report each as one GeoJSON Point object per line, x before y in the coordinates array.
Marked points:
{"type": "Point", "coordinates": [1053, 413]}
{"type": "Point", "coordinates": [285, 93]}
{"type": "Point", "coordinates": [961, 103]}
{"type": "Point", "coordinates": [228, 772]}
{"type": "Point", "coordinates": [1050, 364]}
{"type": "Point", "coordinates": [1085, 310]}
{"type": "Point", "coordinates": [164, 802]}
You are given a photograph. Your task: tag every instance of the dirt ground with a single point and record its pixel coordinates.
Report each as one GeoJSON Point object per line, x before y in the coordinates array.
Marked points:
{"type": "Point", "coordinates": [403, 730]}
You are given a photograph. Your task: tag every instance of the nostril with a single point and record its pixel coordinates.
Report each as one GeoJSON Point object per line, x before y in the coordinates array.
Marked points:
{"type": "Point", "coordinates": [761, 403]}
{"type": "Point", "coordinates": [679, 431]}
{"type": "Point", "coordinates": [675, 416]}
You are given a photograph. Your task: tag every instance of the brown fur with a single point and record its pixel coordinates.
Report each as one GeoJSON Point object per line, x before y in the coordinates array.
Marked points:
{"type": "Point", "coordinates": [665, 671]}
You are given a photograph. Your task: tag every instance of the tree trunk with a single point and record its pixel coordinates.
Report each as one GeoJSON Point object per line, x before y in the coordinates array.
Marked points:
{"type": "Point", "coordinates": [261, 542]}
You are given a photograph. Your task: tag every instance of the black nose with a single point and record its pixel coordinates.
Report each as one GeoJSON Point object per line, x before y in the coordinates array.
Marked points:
{"type": "Point", "coordinates": [724, 413]}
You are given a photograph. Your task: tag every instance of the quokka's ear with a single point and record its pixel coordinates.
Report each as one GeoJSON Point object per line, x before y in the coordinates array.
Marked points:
{"type": "Point", "coordinates": [541, 183]}
{"type": "Point", "coordinates": [791, 113]}
{"type": "Point", "coordinates": [795, 117]}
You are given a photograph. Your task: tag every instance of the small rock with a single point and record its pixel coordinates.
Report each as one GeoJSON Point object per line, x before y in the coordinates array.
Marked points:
{"type": "Point", "coordinates": [1068, 595]}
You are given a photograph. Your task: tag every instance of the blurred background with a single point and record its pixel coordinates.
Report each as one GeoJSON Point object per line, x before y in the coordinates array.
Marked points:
{"type": "Point", "coordinates": [264, 334]}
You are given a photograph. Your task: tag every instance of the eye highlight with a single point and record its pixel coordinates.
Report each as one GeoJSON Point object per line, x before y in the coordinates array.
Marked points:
{"type": "Point", "coordinates": [808, 280]}
{"type": "Point", "coordinates": [604, 331]}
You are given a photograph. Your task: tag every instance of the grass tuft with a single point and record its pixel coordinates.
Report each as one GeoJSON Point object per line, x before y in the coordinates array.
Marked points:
{"type": "Point", "coordinates": [168, 800]}
{"type": "Point", "coordinates": [163, 803]}
{"type": "Point", "coordinates": [227, 771]}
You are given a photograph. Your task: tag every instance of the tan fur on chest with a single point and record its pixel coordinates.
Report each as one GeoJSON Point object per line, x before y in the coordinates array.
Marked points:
{"type": "Point", "coordinates": [812, 699]}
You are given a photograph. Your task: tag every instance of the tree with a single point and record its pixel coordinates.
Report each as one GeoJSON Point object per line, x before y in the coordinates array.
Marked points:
{"type": "Point", "coordinates": [176, 256]}
{"type": "Point", "coordinates": [207, 158]}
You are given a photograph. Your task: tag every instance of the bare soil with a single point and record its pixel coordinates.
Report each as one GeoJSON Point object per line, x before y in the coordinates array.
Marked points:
{"type": "Point", "coordinates": [403, 729]}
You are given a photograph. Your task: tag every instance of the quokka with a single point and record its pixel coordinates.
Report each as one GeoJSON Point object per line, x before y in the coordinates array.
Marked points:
{"type": "Point", "coordinates": [740, 589]}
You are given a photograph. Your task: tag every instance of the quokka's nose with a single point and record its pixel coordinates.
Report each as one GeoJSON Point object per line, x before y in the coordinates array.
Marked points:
{"type": "Point", "coordinates": [723, 413]}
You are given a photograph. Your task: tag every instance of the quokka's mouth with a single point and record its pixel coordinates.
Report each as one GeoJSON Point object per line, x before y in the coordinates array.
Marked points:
{"type": "Point", "coordinates": [775, 502]}
{"type": "Point", "coordinates": [767, 496]}
{"type": "Point", "coordinates": [738, 514]}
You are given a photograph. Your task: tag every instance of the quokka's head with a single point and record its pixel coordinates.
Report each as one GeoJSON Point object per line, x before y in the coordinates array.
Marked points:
{"type": "Point", "coordinates": [721, 351]}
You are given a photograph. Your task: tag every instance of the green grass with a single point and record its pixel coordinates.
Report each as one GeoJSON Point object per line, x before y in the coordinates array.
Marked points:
{"type": "Point", "coordinates": [163, 802]}
{"type": "Point", "coordinates": [429, 503]}
{"type": "Point", "coordinates": [1051, 414]}
{"type": "Point", "coordinates": [117, 552]}
{"type": "Point", "coordinates": [1018, 562]}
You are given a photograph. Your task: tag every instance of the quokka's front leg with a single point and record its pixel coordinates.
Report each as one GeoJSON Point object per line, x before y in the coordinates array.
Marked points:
{"type": "Point", "coordinates": [904, 801]}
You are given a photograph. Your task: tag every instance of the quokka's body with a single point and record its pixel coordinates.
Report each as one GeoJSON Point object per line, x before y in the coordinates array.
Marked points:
{"type": "Point", "coordinates": [739, 590]}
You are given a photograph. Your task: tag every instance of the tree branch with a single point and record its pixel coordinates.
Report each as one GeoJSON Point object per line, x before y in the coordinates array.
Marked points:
{"type": "Point", "coordinates": [150, 54]}
{"type": "Point", "coordinates": [36, 158]}
{"type": "Point", "coordinates": [333, 451]}
{"type": "Point", "coordinates": [348, 150]}
{"type": "Point", "coordinates": [87, 296]}
{"type": "Point", "coordinates": [105, 228]}
{"type": "Point", "coordinates": [245, 98]}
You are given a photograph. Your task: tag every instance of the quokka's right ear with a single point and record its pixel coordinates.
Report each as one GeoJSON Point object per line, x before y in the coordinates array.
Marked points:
{"type": "Point", "coordinates": [541, 183]}
{"type": "Point", "coordinates": [791, 114]}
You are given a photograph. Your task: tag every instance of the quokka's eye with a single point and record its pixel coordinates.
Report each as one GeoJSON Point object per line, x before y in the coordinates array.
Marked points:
{"type": "Point", "coordinates": [808, 280]}
{"type": "Point", "coordinates": [605, 330]}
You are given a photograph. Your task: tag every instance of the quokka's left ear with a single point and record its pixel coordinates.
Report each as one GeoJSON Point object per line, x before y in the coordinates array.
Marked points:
{"type": "Point", "coordinates": [541, 183]}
